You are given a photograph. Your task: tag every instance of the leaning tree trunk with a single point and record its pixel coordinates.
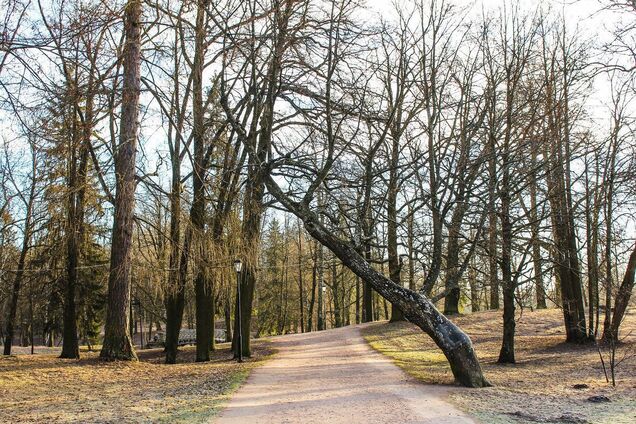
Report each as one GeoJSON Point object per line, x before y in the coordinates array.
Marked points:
{"type": "Point", "coordinates": [117, 341]}
{"type": "Point", "coordinates": [417, 308]}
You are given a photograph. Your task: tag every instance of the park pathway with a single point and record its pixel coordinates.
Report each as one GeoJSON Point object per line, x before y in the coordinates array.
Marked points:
{"type": "Point", "coordinates": [335, 377]}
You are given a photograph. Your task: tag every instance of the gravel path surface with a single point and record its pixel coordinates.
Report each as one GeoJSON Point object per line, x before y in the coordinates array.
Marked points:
{"type": "Point", "coordinates": [335, 377]}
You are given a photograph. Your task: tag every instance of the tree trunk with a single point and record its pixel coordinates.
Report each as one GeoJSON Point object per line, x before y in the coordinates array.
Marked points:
{"type": "Point", "coordinates": [475, 304]}
{"type": "Point", "coordinates": [15, 293]}
{"type": "Point", "coordinates": [492, 227]}
{"type": "Point", "coordinates": [175, 297]}
{"type": "Point", "coordinates": [395, 266]}
{"type": "Point", "coordinates": [228, 317]}
{"type": "Point", "coordinates": [250, 233]}
{"type": "Point", "coordinates": [301, 294]}
{"type": "Point", "coordinates": [455, 344]}
{"type": "Point", "coordinates": [75, 228]}
{"type": "Point", "coordinates": [367, 235]}
{"type": "Point", "coordinates": [259, 145]}
{"type": "Point", "coordinates": [591, 224]}
{"type": "Point", "coordinates": [436, 260]}
{"type": "Point", "coordinates": [321, 285]}
{"type": "Point", "coordinates": [535, 230]}
{"type": "Point", "coordinates": [453, 266]}
{"type": "Point", "coordinates": [367, 291]}
{"type": "Point", "coordinates": [622, 299]}
{"type": "Point", "coordinates": [117, 343]}
{"type": "Point", "coordinates": [247, 284]}
{"type": "Point", "coordinates": [609, 220]}
{"type": "Point", "coordinates": [203, 288]}
{"type": "Point", "coordinates": [411, 249]}
{"type": "Point", "coordinates": [204, 296]}
{"type": "Point", "coordinates": [26, 244]}
{"type": "Point", "coordinates": [314, 283]}
{"type": "Point", "coordinates": [565, 252]}
{"type": "Point", "coordinates": [335, 291]}
{"type": "Point", "coordinates": [179, 255]}
{"type": "Point", "coordinates": [70, 343]}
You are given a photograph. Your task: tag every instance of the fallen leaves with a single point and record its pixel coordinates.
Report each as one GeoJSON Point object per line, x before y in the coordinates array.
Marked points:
{"type": "Point", "coordinates": [551, 381]}
{"type": "Point", "coordinates": [44, 388]}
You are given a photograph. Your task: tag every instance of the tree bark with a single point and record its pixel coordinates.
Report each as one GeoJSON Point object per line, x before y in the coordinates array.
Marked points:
{"type": "Point", "coordinates": [314, 283]}
{"type": "Point", "coordinates": [559, 196]}
{"type": "Point", "coordinates": [75, 229]}
{"type": "Point", "coordinates": [395, 266]}
{"type": "Point", "coordinates": [455, 344]}
{"type": "Point", "coordinates": [366, 225]}
{"type": "Point", "coordinates": [535, 230]}
{"type": "Point", "coordinates": [609, 221]}
{"type": "Point", "coordinates": [175, 297]}
{"type": "Point", "coordinates": [320, 287]}
{"type": "Point", "coordinates": [507, 351]}
{"type": "Point", "coordinates": [228, 317]}
{"type": "Point", "coordinates": [622, 299]}
{"type": "Point", "coordinates": [75, 225]}
{"type": "Point", "coordinates": [17, 281]}
{"type": "Point", "coordinates": [301, 292]}
{"type": "Point", "coordinates": [204, 291]}
{"type": "Point", "coordinates": [592, 235]}
{"type": "Point", "coordinates": [117, 342]}
{"type": "Point", "coordinates": [492, 225]}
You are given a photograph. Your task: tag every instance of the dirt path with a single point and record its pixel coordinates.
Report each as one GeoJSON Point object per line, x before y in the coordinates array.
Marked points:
{"type": "Point", "coordinates": [335, 377]}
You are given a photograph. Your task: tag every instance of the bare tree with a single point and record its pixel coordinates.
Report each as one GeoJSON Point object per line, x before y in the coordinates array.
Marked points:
{"type": "Point", "coordinates": [117, 342]}
{"type": "Point", "coordinates": [28, 199]}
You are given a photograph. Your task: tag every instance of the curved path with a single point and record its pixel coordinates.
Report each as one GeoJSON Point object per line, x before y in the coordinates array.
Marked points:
{"type": "Point", "coordinates": [335, 377]}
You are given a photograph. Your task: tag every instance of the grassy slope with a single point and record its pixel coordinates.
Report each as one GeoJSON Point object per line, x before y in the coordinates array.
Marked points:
{"type": "Point", "coordinates": [43, 388]}
{"type": "Point", "coordinates": [539, 388]}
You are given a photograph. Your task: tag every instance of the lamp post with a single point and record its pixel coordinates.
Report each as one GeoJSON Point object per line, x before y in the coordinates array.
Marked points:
{"type": "Point", "coordinates": [238, 266]}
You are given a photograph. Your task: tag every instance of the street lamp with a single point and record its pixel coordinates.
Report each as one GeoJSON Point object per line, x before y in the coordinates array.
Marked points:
{"type": "Point", "coordinates": [238, 266]}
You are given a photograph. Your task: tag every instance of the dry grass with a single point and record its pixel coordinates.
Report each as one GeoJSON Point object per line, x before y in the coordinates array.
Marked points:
{"type": "Point", "coordinates": [539, 387]}
{"type": "Point", "coordinates": [43, 388]}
